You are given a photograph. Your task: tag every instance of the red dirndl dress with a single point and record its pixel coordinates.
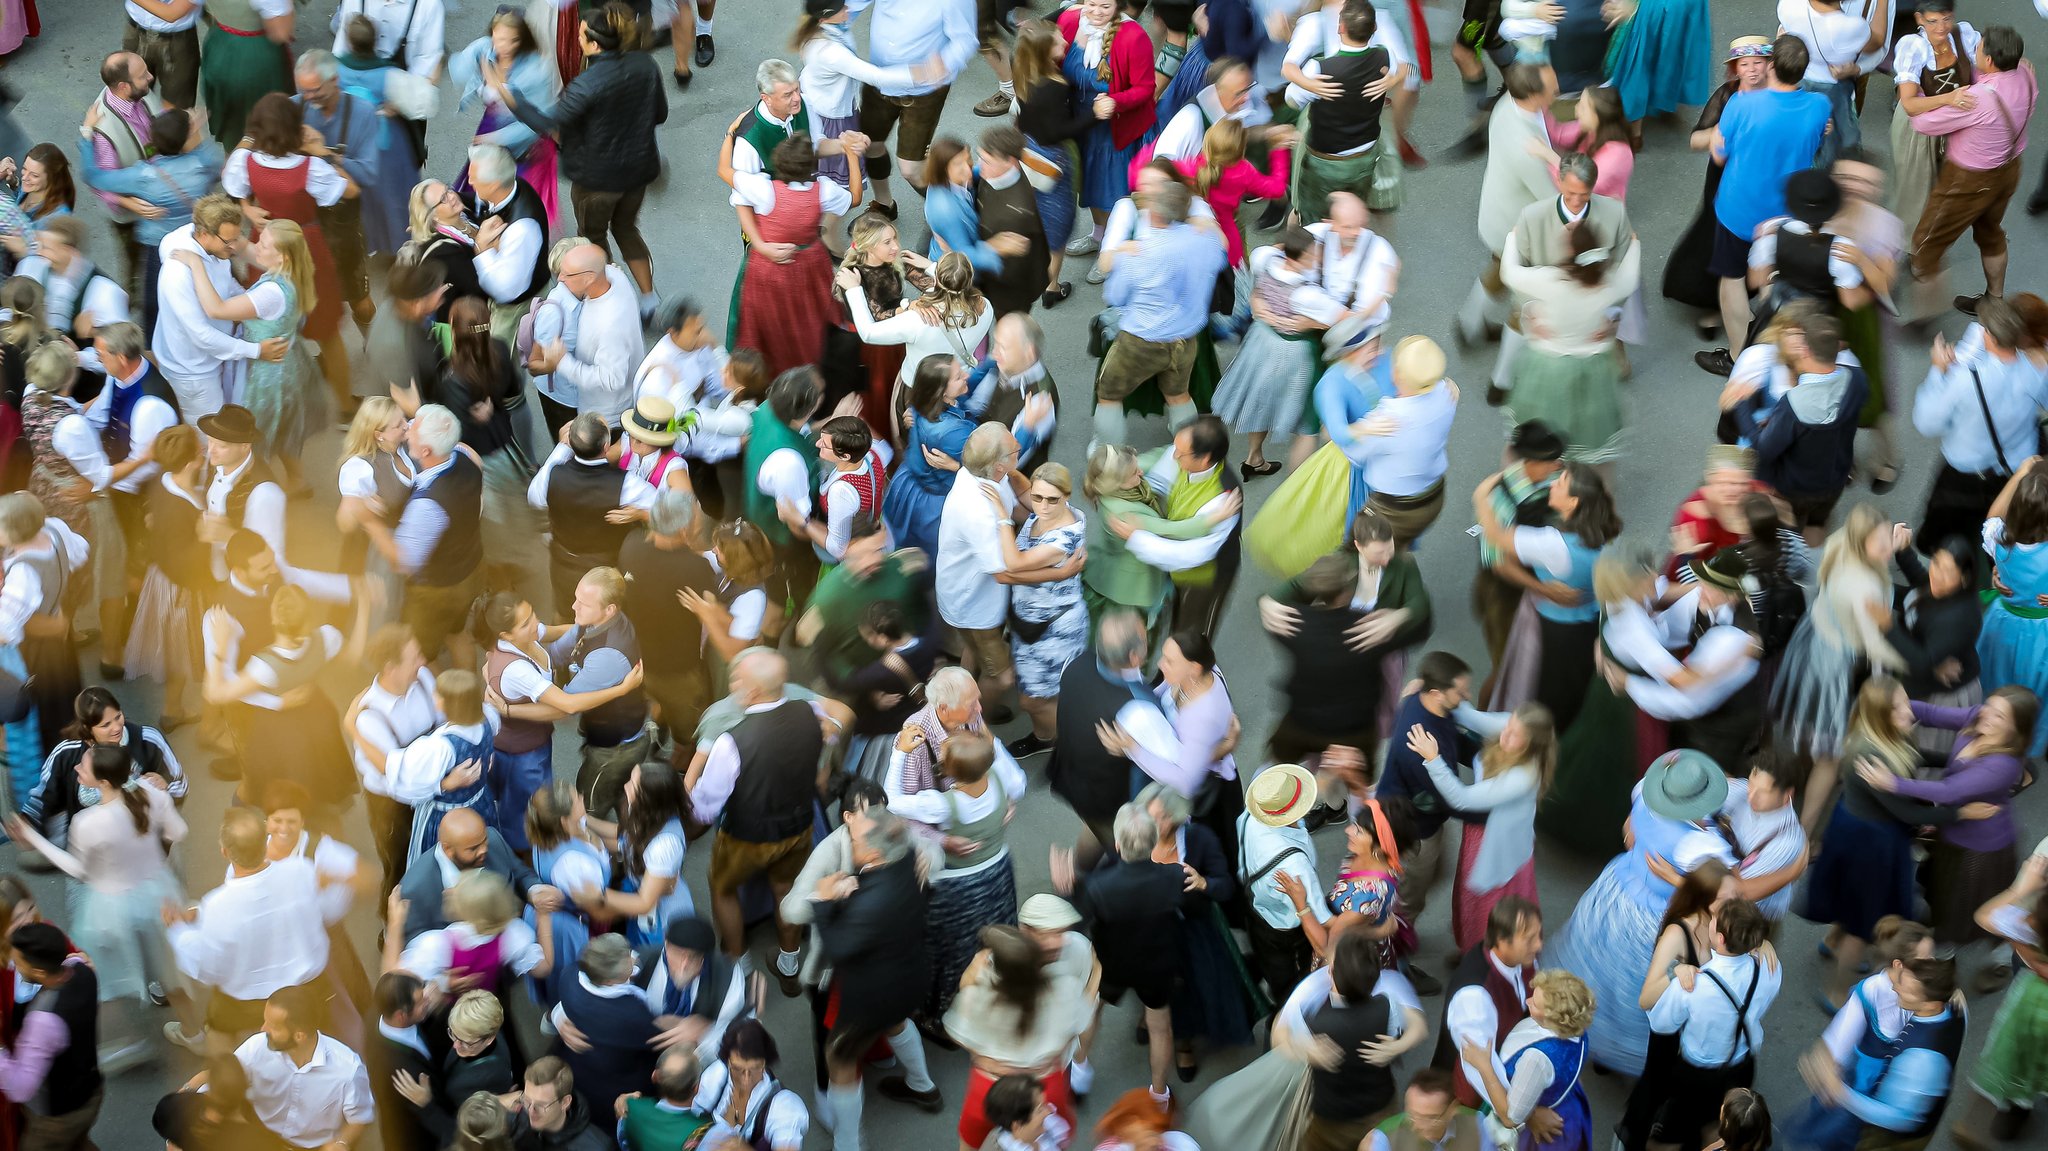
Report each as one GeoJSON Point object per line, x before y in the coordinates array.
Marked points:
{"type": "Point", "coordinates": [569, 42]}
{"type": "Point", "coordinates": [784, 308]}
{"type": "Point", "coordinates": [1470, 909]}
{"type": "Point", "coordinates": [282, 193]}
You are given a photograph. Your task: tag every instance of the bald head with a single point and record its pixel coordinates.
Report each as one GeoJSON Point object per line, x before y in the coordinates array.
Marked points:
{"type": "Point", "coordinates": [761, 675]}
{"type": "Point", "coordinates": [583, 271]}
{"type": "Point", "coordinates": [463, 839]}
{"type": "Point", "coordinates": [1019, 343]}
{"type": "Point", "coordinates": [126, 75]}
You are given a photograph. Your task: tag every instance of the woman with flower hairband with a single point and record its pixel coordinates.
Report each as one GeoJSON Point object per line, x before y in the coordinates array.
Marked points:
{"type": "Point", "coordinates": [1367, 894]}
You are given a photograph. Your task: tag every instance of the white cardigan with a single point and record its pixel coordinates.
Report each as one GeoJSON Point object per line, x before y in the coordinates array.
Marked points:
{"type": "Point", "coordinates": [919, 336]}
{"type": "Point", "coordinates": [1509, 801]}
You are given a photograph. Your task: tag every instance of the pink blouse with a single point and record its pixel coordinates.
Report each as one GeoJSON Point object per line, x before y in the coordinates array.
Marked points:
{"type": "Point", "coordinates": [1237, 182]}
{"type": "Point", "coordinates": [1615, 159]}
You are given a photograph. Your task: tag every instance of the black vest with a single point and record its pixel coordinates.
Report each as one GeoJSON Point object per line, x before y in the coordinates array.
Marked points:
{"type": "Point", "coordinates": [1348, 120]}
{"type": "Point", "coordinates": [714, 983]}
{"type": "Point", "coordinates": [779, 750]}
{"type": "Point", "coordinates": [1354, 1088]}
{"type": "Point", "coordinates": [1013, 209]}
{"type": "Point", "coordinates": [578, 496]}
{"type": "Point", "coordinates": [114, 438]}
{"type": "Point", "coordinates": [252, 611]}
{"type": "Point", "coordinates": [614, 723]}
{"type": "Point", "coordinates": [619, 1059]}
{"type": "Point", "coordinates": [524, 205]}
{"type": "Point", "coordinates": [459, 492]}
{"type": "Point", "coordinates": [74, 1074]}
{"type": "Point", "coordinates": [1092, 781]}
{"type": "Point", "coordinates": [253, 477]}
{"type": "Point", "coordinates": [1802, 263]}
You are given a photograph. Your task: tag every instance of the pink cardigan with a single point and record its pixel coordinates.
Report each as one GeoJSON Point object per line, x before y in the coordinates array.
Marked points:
{"type": "Point", "coordinates": [1238, 181]}
{"type": "Point", "coordinates": [1616, 160]}
{"type": "Point", "coordinates": [1131, 77]}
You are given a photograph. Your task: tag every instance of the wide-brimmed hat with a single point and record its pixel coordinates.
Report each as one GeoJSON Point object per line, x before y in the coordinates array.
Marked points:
{"type": "Point", "coordinates": [1685, 785]}
{"type": "Point", "coordinates": [1281, 794]}
{"type": "Point", "coordinates": [651, 421]}
{"type": "Point", "coordinates": [1418, 360]}
{"type": "Point", "coordinates": [1727, 569]}
{"type": "Point", "coordinates": [1347, 336]}
{"type": "Point", "coordinates": [232, 424]}
{"type": "Point", "coordinates": [1047, 913]}
{"type": "Point", "coordinates": [1749, 46]}
{"type": "Point", "coordinates": [1812, 196]}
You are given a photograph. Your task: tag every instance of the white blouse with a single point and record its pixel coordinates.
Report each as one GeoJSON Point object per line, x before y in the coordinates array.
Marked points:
{"type": "Point", "coordinates": [323, 183]}
{"type": "Point", "coordinates": [919, 337]}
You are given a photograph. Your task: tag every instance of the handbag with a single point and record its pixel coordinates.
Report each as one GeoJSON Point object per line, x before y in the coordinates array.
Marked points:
{"type": "Point", "coordinates": [1102, 331]}
{"type": "Point", "coordinates": [522, 344]}
{"type": "Point", "coordinates": [1030, 631]}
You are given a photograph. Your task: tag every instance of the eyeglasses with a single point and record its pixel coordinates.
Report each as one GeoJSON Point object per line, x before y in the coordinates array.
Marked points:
{"type": "Point", "coordinates": [533, 1104]}
{"type": "Point", "coordinates": [1035, 498]}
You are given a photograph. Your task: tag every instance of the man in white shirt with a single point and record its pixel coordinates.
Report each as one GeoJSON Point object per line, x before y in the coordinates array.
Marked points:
{"type": "Point", "coordinates": [1230, 93]}
{"type": "Point", "coordinates": [252, 936]}
{"type": "Point", "coordinates": [165, 33]}
{"type": "Point", "coordinates": [1489, 992]}
{"type": "Point", "coordinates": [511, 237]}
{"type": "Point", "coordinates": [240, 492]}
{"type": "Point", "coordinates": [593, 361]}
{"type": "Point", "coordinates": [1717, 1009]}
{"type": "Point", "coordinates": [397, 708]}
{"type": "Point", "coordinates": [970, 555]}
{"type": "Point", "coordinates": [1836, 43]}
{"type": "Point", "coordinates": [308, 1088]}
{"type": "Point", "coordinates": [1515, 178]}
{"type": "Point", "coordinates": [1272, 842]}
{"type": "Point", "coordinates": [686, 366]}
{"type": "Point", "coordinates": [410, 33]}
{"type": "Point", "coordinates": [200, 356]}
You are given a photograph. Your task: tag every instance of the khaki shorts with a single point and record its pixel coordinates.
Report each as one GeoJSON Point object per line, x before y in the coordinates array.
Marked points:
{"type": "Point", "coordinates": [435, 613]}
{"type": "Point", "coordinates": [1134, 359]}
{"type": "Point", "coordinates": [735, 861]}
{"type": "Point", "coordinates": [988, 650]}
{"type": "Point", "coordinates": [918, 117]}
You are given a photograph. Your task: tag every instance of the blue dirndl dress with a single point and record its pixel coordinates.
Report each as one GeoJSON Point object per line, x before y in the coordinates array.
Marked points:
{"type": "Point", "coordinates": [1662, 59]}
{"type": "Point", "coordinates": [917, 491]}
{"type": "Point", "coordinates": [426, 817]}
{"type": "Point", "coordinates": [2012, 648]}
{"type": "Point", "coordinates": [1056, 204]}
{"type": "Point", "coordinates": [569, 866]}
{"type": "Point", "coordinates": [1105, 168]}
{"type": "Point", "coordinates": [652, 928]}
{"type": "Point", "coordinates": [1564, 1095]}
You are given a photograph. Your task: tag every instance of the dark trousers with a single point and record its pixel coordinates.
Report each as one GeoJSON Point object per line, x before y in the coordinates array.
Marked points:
{"type": "Point", "coordinates": [71, 1131]}
{"type": "Point", "coordinates": [390, 831]}
{"type": "Point", "coordinates": [555, 414]}
{"type": "Point", "coordinates": [613, 214]}
{"type": "Point", "coordinates": [152, 266]}
{"type": "Point", "coordinates": [174, 59]}
{"type": "Point", "coordinates": [1201, 606]}
{"type": "Point", "coordinates": [1282, 956]}
{"type": "Point", "coordinates": [1956, 506]}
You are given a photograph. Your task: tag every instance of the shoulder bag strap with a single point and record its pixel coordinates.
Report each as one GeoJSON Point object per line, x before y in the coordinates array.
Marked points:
{"type": "Point", "coordinates": [1984, 406]}
{"type": "Point", "coordinates": [404, 33]}
{"type": "Point", "coordinates": [1253, 879]}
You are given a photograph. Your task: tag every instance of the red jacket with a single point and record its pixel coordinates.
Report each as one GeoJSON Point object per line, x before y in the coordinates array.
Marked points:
{"type": "Point", "coordinates": [1130, 77]}
{"type": "Point", "coordinates": [1238, 181]}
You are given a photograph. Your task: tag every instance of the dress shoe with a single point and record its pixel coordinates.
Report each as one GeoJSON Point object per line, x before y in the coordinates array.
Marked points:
{"type": "Point", "coordinates": [898, 1088]}
{"type": "Point", "coordinates": [706, 52]}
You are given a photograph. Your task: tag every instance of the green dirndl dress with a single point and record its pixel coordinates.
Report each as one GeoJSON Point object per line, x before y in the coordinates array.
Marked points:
{"type": "Point", "coordinates": [2013, 1070]}
{"type": "Point", "coordinates": [235, 71]}
{"type": "Point", "coordinates": [1597, 766]}
{"type": "Point", "coordinates": [1374, 177]}
{"type": "Point", "coordinates": [1579, 396]}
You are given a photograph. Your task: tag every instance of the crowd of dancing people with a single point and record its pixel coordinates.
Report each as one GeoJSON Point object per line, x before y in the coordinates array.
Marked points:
{"type": "Point", "coordinates": [600, 574]}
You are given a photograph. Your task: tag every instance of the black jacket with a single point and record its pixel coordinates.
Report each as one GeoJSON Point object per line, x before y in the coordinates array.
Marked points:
{"type": "Point", "coordinates": [1133, 913]}
{"type": "Point", "coordinates": [604, 123]}
{"type": "Point", "coordinates": [422, 883]}
{"type": "Point", "coordinates": [404, 1126]}
{"type": "Point", "coordinates": [1802, 459]}
{"type": "Point", "coordinates": [578, 1133]}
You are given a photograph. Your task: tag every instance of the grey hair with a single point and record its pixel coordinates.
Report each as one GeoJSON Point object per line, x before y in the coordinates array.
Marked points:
{"type": "Point", "coordinates": [1177, 807]}
{"type": "Point", "coordinates": [438, 428]}
{"type": "Point", "coordinates": [123, 338]}
{"type": "Point", "coordinates": [1033, 333]}
{"type": "Point", "coordinates": [607, 959]}
{"type": "Point", "coordinates": [951, 686]}
{"type": "Point", "coordinates": [491, 164]}
{"type": "Point", "coordinates": [320, 62]}
{"type": "Point", "coordinates": [1578, 166]}
{"type": "Point", "coordinates": [674, 512]}
{"type": "Point", "coordinates": [1120, 639]}
{"type": "Point", "coordinates": [1136, 833]}
{"type": "Point", "coordinates": [888, 836]}
{"type": "Point", "coordinates": [773, 72]}
{"type": "Point", "coordinates": [984, 449]}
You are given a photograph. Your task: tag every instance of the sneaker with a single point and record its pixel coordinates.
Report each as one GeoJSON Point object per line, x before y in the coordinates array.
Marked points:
{"type": "Point", "coordinates": [1967, 305]}
{"type": "Point", "coordinates": [1080, 1077]}
{"type": "Point", "coordinates": [196, 1044]}
{"type": "Point", "coordinates": [1717, 362]}
{"type": "Point", "coordinates": [1028, 746]}
{"type": "Point", "coordinates": [122, 1058]}
{"type": "Point", "coordinates": [898, 1088]}
{"type": "Point", "coordinates": [996, 105]}
{"type": "Point", "coordinates": [1425, 984]}
{"type": "Point", "coordinates": [157, 995]}
{"type": "Point", "coordinates": [1095, 274]}
{"type": "Point", "coordinates": [706, 52]}
{"type": "Point", "coordinates": [1085, 244]}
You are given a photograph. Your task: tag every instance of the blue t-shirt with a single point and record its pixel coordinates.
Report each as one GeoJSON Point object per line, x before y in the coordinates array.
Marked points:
{"type": "Point", "coordinates": [1768, 136]}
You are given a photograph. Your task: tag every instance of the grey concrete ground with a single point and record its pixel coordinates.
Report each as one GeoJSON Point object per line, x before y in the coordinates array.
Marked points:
{"type": "Point", "coordinates": [1671, 407]}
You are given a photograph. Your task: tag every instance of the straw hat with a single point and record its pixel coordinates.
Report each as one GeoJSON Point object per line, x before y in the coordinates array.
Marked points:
{"type": "Point", "coordinates": [651, 421]}
{"type": "Point", "coordinates": [1047, 913]}
{"type": "Point", "coordinates": [1281, 794]}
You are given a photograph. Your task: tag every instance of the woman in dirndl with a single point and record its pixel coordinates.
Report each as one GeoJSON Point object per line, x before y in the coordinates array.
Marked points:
{"type": "Point", "coordinates": [1267, 387]}
{"type": "Point", "coordinates": [885, 269]}
{"type": "Point", "coordinates": [1939, 620]}
{"type": "Point", "coordinates": [1367, 894]}
{"type": "Point", "coordinates": [2012, 647]}
{"type": "Point", "coordinates": [1686, 279]}
{"type": "Point", "coordinates": [448, 769]}
{"type": "Point", "coordinates": [1657, 60]}
{"type": "Point", "coordinates": [1048, 620]}
{"type": "Point", "coordinates": [916, 494]}
{"type": "Point", "coordinates": [74, 479]}
{"type": "Point", "coordinates": [2012, 1071]}
{"type": "Point", "coordinates": [1550, 1046]}
{"type": "Point", "coordinates": [1686, 938]}
{"type": "Point", "coordinates": [1053, 123]}
{"type": "Point", "coordinates": [1196, 702]}
{"type": "Point", "coordinates": [1932, 67]}
{"type": "Point", "coordinates": [785, 308]}
{"type": "Point", "coordinates": [1568, 374]}
{"type": "Point", "coordinates": [831, 79]}
{"type": "Point", "coordinates": [375, 483]}
{"type": "Point", "coordinates": [242, 60]}
{"type": "Point", "coordinates": [1497, 853]}
{"type": "Point", "coordinates": [532, 75]}
{"type": "Point", "coordinates": [1602, 754]}
{"type": "Point", "coordinates": [569, 858]}
{"type": "Point", "coordinates": [1973, 860]}
{"type": "Point", "coordinates": [1549, 654]}
{"type": "Point", "coordinates": [1109, 64]}
{"type": "Point", "coordinates": [41, 558]}
{"type": "Point", "coordinates": [163, 640]}
{"type": "Point", "coordinates": [651, 841]}
{"type": "Point", "coordinates": [1841, 640]}
{"type": "Point", "coordinates": [1613, 928]}
{"type": "Point", "coordinates": [286, 728]}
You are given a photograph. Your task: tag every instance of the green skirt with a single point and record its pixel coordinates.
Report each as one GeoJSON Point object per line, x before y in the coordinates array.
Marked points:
{"type": "Point", "coordinates": [1863, 334]}
{"type": "Point", "coordinates": [732, 310]}
{"type": "Point", "coordinates": [234, 73]}
{"type": "Point", "coordinates": [2013, 1070]}
{"type": "Point", "coordinates": [1148, 400]}
{"type": "Point", "coordinates": [1578, 396]}
{"type": "Point", "coordinates": [1588, 801]}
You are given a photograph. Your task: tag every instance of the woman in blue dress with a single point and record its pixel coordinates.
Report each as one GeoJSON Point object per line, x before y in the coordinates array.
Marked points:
{"type": "Point", "coordinates": [1549, 654]}
{"type": "Point", "coordinates": [1660, 59]}
{"type": "Point", "coordinates": [2012, 648]}
{"type": "Point", "coordinates": [567, 857]}
{"type": "Point", "coordinates": [651, 843]}
{"type": "Point", "coordinates": [1109, 64]}
{"type": "Point", "coordinates": [1613, 930]}
{"type": "Point", "coordinates": [1552, 1038]}
{"type": "Point", "coordinates": [1348, 392]}
{"type": "Point", "coordinates": [938, 427]}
